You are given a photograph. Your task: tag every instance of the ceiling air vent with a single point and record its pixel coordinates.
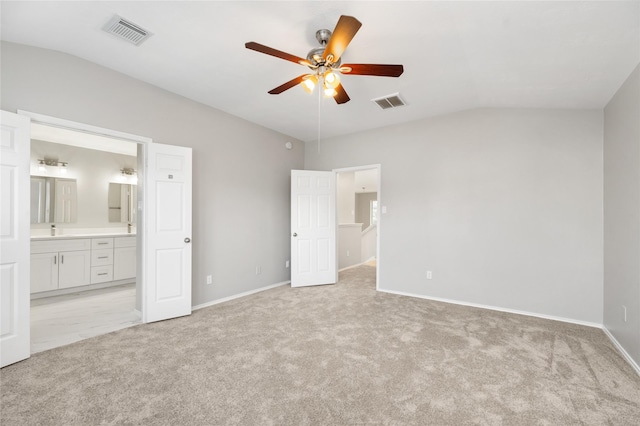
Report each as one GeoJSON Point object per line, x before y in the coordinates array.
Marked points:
{"type": "Point", "coordinates": [389, 101]}
{"type": "Point", "coordinates": [126, 30]}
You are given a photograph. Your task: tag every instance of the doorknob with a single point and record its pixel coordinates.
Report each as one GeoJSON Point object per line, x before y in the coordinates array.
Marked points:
{"type": "Point", "coordinates": [295, 234]}
{"type": "Point", "coordinates": [187, 240]}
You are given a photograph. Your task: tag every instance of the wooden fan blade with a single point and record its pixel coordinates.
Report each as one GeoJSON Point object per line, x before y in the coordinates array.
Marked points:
{"type": "Point", "coordinates": [341, 97]}
{"type": "Point", "coordinates": [288, 85]}
{"type": "Point", "coordinates": [345, 30]}
{"type": "Point", "coordinates": [373, 69]}
{"type": "Point", "coordinates": [277, 53]}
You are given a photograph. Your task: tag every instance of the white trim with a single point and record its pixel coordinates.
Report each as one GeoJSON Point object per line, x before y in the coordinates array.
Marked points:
{"type": "Point", "coordinates": [357, 264]}
{"type": "Point", "coordinates": [624, 353]}
{"type": "Point", "coordinates": [378, 167]}
{"type": "Point", "coordinates": [82, 127]}
{"type": "Point", "coordinates": [369, 229]}
{"type": "Point", "coordinates": [496, 308]}
{"type": "Point", "coordinates": [239, 295]}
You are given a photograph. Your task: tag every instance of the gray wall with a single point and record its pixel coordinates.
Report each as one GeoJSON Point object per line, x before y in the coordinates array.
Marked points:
{"type": "Point", "coordinates": [622, 215]}
{"type": "Point", "coordinates": [346, 199]}
{"type": "Point", "coordinates": [363, 207]}
{"type": "Point", "coordinates": [504, 206]}
{"type": "Point", "coordinates": [93, 170]}
{"type": "Point", "coordinates": [241, 171]}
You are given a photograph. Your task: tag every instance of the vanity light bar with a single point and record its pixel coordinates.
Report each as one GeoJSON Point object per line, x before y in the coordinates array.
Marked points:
{"type": "Point", "coordinates": [53, 163]}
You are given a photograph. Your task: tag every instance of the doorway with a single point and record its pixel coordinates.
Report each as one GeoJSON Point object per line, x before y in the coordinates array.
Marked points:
{"type": "Point", "coordinates": [103, 174]}
{"type": "Point", "coordinates": [101, 209]}
{"type": "Point", "coordinates": [358, 204]}
{"type": "Point", "coordinates": [163, 255]}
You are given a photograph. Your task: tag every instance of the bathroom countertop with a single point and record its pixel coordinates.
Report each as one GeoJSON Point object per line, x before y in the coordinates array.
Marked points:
{"type": "Point", "coordinates": [70, 236]}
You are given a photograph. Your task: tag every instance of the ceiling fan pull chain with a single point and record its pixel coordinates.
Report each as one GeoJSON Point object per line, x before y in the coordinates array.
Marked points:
{"type": "Point", "coordinates": [319, 114]}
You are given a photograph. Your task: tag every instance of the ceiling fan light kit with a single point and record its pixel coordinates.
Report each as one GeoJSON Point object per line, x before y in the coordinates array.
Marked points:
{"type": "Point", "coordinates": [325, 62]}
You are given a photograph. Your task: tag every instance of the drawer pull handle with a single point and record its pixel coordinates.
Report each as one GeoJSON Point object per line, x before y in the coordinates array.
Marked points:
{"type": "Point", "coordinates": [102, 244]}
{"type": "Point", "coordinates": [104, 273]}
{"type": "Point", "coordinates": [103, 257]}
{"type": "Point", "coordinates": [55, 260]}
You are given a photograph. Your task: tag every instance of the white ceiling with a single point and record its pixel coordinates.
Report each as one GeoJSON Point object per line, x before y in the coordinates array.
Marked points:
{"type": "Point", "coordinates": [457, 55]}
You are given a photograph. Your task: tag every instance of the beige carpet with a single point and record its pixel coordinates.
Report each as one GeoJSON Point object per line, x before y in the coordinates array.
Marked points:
{"type": "Point", "coordinates": [330, 355]}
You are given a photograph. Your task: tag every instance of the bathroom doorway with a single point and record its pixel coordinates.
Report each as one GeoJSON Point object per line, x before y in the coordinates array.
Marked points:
{"type": "Point", "coordinates": [97, 219]}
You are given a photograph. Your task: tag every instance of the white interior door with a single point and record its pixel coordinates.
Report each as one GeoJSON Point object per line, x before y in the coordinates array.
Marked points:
{"type": "Point", "coordinates": [167, 222]}
{"type": "Point", "coordinates": [313, 228]}
{"type": "Point", "coordinates": [14, 238]}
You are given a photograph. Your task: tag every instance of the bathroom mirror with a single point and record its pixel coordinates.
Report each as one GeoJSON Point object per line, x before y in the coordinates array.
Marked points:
{"type": "Point", "coordinates": [122, 202]}
{"type": "Point", "coordinates": [53, 200]}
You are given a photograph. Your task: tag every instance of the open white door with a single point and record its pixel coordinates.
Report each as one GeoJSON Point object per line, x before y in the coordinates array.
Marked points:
{"type": "Point", "coordinates": [14, 239]}
{"type": "Point", "coordinates": [313, 228]}
{"type": "Point", "coordinates": [167, 236]}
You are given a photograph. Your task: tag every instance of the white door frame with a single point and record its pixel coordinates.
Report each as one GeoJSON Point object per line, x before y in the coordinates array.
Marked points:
{"type": "Point", "coordinates": [143, 142]}
{"type": "Point", "coordinates": [378, 167]}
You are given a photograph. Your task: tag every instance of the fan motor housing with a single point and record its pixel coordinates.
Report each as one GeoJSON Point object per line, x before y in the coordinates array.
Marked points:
{"type": "Point", "coordinates": [315, 55]}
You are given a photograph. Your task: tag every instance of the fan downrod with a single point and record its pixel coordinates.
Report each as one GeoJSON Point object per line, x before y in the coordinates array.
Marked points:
{"type": "Point", "coordinates": [315, 55]}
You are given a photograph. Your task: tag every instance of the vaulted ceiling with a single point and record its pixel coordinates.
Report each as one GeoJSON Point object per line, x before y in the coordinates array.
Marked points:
{"type": "Point", "coordinates": [456, 55]}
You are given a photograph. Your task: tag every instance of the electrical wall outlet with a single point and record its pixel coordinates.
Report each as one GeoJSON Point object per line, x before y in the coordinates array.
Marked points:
{"type": "Point", "coordinates": [258, 270]}
{"type": "Point", "coordinates": [209, 279]}
{"type": "Point", "coordinates": [286, 264]}
{"type": "Point", "coordinates": [624, 313]}
{"type": "Point", "coordinates": [429, 275]}
{"type": "Point", "coordinates": [348, 253]}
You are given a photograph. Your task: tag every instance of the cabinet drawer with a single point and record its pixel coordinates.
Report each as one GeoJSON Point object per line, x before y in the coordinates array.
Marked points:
{"type": "Point", "coordinates": [124, 242]}
{"type": "Point", "coordinates": [101, 274]}
{"type": "Point", "coordinates": [102, 257]}
{"type": "Point", "coordinates": [60, 245]}
{"type": "Point", "coordinates": [101, 243]}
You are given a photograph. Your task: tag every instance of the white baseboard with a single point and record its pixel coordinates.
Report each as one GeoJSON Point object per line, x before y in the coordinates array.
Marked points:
{"type": "Point", "coordinates": [237, 296]}
{"type": "Point", "coordinates": [495, 308]}
{"type": "Point", "coordinates": [624, 353]}
{"type": "Point", "coordinates": [357, 264]}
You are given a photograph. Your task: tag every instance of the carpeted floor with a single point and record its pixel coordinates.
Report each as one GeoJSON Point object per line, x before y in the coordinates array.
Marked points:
{"type": "Point", "coordinates": [329, 355]}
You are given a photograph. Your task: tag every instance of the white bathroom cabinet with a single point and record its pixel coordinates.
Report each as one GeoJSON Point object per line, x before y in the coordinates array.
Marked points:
{"type": "Point", "coordinates": [58, 263]}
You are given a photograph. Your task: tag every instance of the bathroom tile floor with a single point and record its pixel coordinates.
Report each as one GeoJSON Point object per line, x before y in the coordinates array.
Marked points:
{"type": "Point", "coordinates": [61, 320]}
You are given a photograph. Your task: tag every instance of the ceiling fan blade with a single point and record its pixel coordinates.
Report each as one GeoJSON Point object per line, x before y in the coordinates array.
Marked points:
{"type": "Point", "coordinates": [277, 53]}
{"type": "Point", "coordinates": [288, 85]}
{"type": "Point", "coordinates": [341, 97]}
{"type": "Point", "coordinates": [373, 69]}
{"type": "Point", "coordinates": [345, 30]}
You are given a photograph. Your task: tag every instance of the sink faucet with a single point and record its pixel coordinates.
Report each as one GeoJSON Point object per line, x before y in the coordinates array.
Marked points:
{"type": "Point", "coordinates": [128, 228]}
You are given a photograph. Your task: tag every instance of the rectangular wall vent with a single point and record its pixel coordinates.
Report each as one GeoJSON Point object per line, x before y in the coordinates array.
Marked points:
{"type": "Point", "coordinates": [389, 101]}
{"type": "Point", "coordinates": [126, 30]}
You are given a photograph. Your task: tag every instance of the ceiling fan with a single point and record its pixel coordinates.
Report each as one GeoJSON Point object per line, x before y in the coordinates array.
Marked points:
{"type": "Point", "coordinates": [324, 61]}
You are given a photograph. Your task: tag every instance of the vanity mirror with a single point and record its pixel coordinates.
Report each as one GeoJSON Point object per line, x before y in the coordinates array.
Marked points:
{"type": "Point", "coordinates": [53, 200]}
{"type": "Point", "coordinates": [122, 202]}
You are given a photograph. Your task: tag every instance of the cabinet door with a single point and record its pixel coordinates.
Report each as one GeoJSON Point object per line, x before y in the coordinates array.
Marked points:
{"type": "Point", "coordinates": [124, 263]}
{"type": "Point", "coordinates": [44, 272]}
{"type": "Point", "coordinates": [74, 268]}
